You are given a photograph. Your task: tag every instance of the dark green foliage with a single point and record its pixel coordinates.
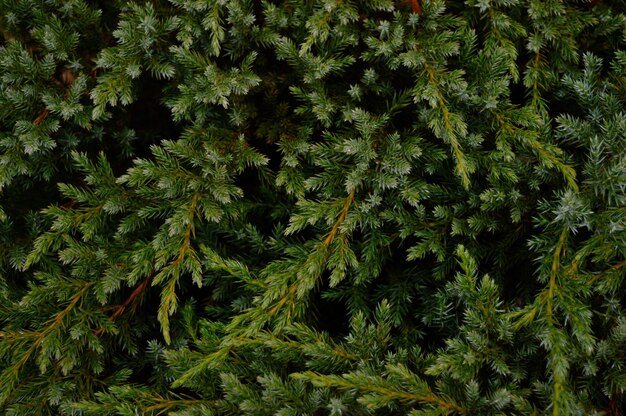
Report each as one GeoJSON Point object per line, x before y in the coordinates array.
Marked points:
{"type": "Point", "coordinates": [324, 207]}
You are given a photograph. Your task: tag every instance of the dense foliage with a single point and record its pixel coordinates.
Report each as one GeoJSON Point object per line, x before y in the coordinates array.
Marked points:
{"type": "Point", "coordinates": [329, 207]}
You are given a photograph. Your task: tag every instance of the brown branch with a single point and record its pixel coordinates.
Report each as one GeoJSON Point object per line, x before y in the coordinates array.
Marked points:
{"type": "Point", "coordinates": [121, 308]}
{"type": "Point", "coordinates": [138, 291]}
{"type": "Point", "coordinates": [416, 6]}
{"type": "Point", "coordinates": [41, 117]}
{"type": "Point", "coordinates": [67, 77]}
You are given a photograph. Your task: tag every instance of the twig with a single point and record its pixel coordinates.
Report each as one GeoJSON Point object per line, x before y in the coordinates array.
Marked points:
{"type": "Point", "coordinates": [342, 216]}
{"type": "Point", "coordinates": [119, 309]}
{"type": "Point", "coordinates": [41, 117]}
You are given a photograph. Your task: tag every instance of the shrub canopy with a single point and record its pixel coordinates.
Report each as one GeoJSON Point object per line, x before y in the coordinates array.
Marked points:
{"type": "Point", "coordinates": [328, 207]}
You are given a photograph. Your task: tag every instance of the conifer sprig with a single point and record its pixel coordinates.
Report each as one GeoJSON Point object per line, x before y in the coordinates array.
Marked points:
{"type": "Point", "coordinates": [312, 207]}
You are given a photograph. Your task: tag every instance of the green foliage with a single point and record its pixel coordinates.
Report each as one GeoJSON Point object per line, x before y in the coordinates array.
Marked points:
{"type": "Point", "coordinates": [299, 207]}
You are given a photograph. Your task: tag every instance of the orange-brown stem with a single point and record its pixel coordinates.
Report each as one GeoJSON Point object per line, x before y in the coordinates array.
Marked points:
{"type": "Point", "coordinates": [119, 309]}
{"type": "Point", "coordinates": [41, 117]}
{"type": "Point", "coordinates": [138, 291]}
{"type": "Point", "coordinates": [416, 6]}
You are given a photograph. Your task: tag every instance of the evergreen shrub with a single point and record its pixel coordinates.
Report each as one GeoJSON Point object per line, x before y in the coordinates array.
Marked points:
{"type": "Point", "coordinates": [323, 207]}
